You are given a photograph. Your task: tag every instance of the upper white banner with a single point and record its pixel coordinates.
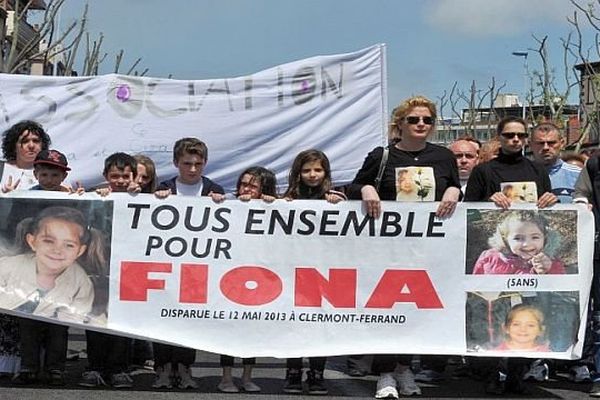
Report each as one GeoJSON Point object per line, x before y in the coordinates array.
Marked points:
{"type": "Point", "coordinates": [335, 103]}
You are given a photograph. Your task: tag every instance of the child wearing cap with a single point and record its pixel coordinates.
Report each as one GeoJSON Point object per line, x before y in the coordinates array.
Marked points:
{"type": "Point", "coordinates": [50, 168]}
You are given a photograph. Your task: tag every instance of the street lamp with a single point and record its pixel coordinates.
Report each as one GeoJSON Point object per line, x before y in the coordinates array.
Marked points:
{"type": "Point", "coordinates": [523, 54]}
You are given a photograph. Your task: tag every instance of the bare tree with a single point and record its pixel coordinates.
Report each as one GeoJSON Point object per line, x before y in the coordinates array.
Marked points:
{"type": "Point", "coordinates": [47, 44]}
{"type": "Point", "coordinates": [16, 57]}
{"type": "Point", "coordinates": [545, 90]}
{"type": "Point", "coordinates": [589, 106]}
{"type": "Point", "coordinates": [473, 108]}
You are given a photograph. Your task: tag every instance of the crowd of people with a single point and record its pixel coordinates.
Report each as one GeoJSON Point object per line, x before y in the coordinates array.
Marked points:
{"type": "Point", "coordinates": [409, 168]}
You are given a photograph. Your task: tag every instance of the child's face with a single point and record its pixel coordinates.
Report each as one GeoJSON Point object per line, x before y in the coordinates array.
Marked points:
{"type": "Point", "coordinates": [524, 329]}
{"type": "Point", "coordinates": [312, 174]}
{"type": "Point", "coordinates": [142, 177]}
{"type": "Point", "coordinates": [190, 168]}
{"type": "Point", "coordinates": [49, 178]}
{"type": "Point", "coordinates": [525, 239]}
{"type": "Point", "coordinates": [56, 245]}
{"type": "Point", "coordinates": [119, 179]}
{"type": "Point", "coordinates": [250, 185]}
{"type": "Point", "coordinates": [405, 181]}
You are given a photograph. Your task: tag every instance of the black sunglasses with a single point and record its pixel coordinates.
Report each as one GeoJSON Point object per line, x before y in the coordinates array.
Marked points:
{"type": "Point", "coordinates": [415, 120]}
{"type": "Point", "coordinates": [511, 135]}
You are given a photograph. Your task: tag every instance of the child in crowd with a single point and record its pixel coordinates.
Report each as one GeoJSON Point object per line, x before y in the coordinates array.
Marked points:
{"type": "Point", "coordinates": [309, 178]}
{"type": "Point", "coordinates": [517, 247]}
{"type": "Point", "coordinates": [146, 173]}
{"type": "Point", "coordinates": [142, 353]}
{"type": "Point", "coordinates": [47, 279]}
{"type": "Point", "coordinates": [257, 183]}
{"type": "Point", "coordinates": [524, 329]}
{"type": "Point", "coordinates": [107, 354]}
{"type": "Point", "coordinates": [254, 183]}
{"type": "Point", "coordinates": [172, 363]}
{"type": "Point", "coordinates": [50, 168]}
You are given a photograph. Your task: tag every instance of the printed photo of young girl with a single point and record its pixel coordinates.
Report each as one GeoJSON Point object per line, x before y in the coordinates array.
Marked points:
{"type": "Point", "coordinates": [55, 265]}
{"type": "Point", "coordinates": [527, 242]}
{"type": "Point", "coordinates": [524, 329]}
{"type": "Point", "coordinates": [521, 321]}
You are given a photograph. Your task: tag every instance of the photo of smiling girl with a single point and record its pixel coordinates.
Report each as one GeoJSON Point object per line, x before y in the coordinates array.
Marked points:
{"type": "Point", "coordinates": [47, 278]}
{"type": "Point", "coordinates": [524, 329]}
{"type": "Point", "coordinates": [518, 246]}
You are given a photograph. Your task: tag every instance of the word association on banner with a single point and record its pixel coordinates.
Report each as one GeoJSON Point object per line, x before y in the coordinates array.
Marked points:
{"type": "Point", "coordinates": [409, 286]}
{"type": "Point", "coordinates": [127, 96]}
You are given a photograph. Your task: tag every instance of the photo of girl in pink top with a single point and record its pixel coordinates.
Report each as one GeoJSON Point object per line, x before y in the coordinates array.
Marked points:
{"type": "Point", "coordinates": [519, 246]}
{"type": "Point", "coordinates": [524, 330]}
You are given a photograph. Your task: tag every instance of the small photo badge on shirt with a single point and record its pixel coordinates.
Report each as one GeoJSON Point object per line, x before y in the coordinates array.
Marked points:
{"type": "Point", "coordinates": [520, 192]}
{"type": "Point", "coordinates": [415, 184]}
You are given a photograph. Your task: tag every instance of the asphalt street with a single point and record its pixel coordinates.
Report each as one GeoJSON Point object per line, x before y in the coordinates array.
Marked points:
{"type": "Point", "coordinates": [269, 374]}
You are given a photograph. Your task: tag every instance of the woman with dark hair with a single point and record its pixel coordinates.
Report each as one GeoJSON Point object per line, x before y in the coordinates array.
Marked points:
{"type": "Point", "coordinates": [21, 143]}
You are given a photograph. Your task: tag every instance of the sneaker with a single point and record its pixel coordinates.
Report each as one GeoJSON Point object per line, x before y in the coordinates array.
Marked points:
{"type": "Point", "coordinates": [580, 374]}
{"type": "Point", "coordinates": [316, 383]}
{"type": "Point", "coordinates": [121, 381]}
{"type": "Point", "coordinates": [407, 384]}
{"type": "Point", "coordinates": [538, 371]}
{"type": "Point", "coordinates": [163, 377]}
{"type": "Point", "coordinates": [356, 372]}
{"type": "Point", "coordinates": [185, 378]}
{"type": "Point", "coordinates": [227, 387]}
{"type": "Point", "coordinates": [250, 387]}
{"type": "Point", "coordinates": [386, 387]}
{"type": "Point", "coordinates": [91, 379]}
{"type": "Point", "coordinates": [293, 381]}
{"type": "Point", "coordinates": [149, 365]}
{"type": "Point", "coordinates": [595, 390]}
{"type": "Point", "coordinates": [56, 378]}
{"type": "Point", "coordinates": [25, 377]}
{"type": "Point", "coordinates": [72, 355]}
{"type": "Point", "coordinates": [428, 375]}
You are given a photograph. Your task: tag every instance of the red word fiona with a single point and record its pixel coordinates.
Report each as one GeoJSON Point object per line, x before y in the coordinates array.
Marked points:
{"type": "Point", "coordinates": [310, 286]}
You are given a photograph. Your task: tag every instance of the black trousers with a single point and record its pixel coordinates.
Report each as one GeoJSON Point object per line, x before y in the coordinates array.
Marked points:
{"type": "Point", "coordinates": [316, 363]}
{"type": "Point", "coordinates": [385, 363]}
{"type": "Point", "coordinates": [165, 353]}
{"type": "Point", "coordinates": [107, 354]}
{"type": "Point", "coordinates": [37, 336]}
{"type": "Point", "coordinates": [227, 361]}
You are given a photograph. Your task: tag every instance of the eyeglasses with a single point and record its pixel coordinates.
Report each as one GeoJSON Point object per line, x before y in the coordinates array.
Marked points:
{"type": "Point", "coordinates": [468, 156]}
{"type": "Point", "coordinates": [415, 120]}
{"type": "Point", "coordinates": [511, 135]}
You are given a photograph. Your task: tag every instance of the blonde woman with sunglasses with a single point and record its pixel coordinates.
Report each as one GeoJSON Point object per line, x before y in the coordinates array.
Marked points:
{"type": "Point", "coordinates": [433, 173]}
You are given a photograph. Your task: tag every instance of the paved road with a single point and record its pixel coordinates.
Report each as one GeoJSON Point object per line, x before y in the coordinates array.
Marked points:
{"type": "Point", "coordinates": [269, 375]}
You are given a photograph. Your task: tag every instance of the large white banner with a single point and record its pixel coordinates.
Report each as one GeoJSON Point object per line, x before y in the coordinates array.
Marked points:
{"type": "Point", "coordinates": [304, 278]}
{"type": "Point", "coordinates": [335, 103]}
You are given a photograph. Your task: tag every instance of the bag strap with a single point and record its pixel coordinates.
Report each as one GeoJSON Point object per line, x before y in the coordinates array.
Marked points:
{"type": "Point", "coordinates": [384, 158]}
{"type": "Point", "coordinates": [592, 166]}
